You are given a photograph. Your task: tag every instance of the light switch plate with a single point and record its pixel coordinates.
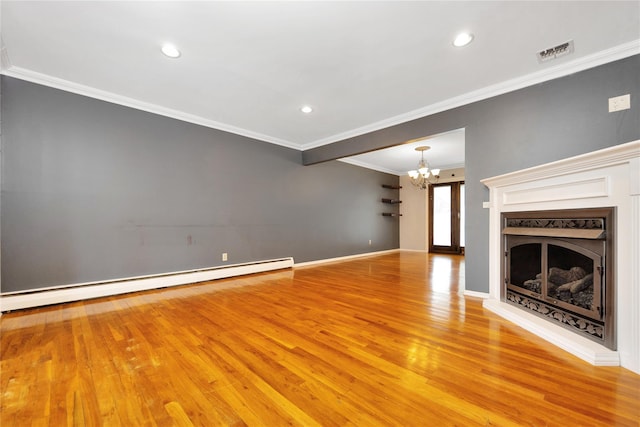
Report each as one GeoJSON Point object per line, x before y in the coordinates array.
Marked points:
{"type": "Point", "coordinates": [620, 103]}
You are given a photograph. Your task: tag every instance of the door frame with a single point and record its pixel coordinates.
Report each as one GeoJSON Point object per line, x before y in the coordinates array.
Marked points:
{"type": "Point", "coordinates": [455, 247]}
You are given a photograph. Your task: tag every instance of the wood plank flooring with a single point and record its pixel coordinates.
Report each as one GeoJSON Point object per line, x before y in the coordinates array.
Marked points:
{"type": "Point", "coordinates": [376, 341]}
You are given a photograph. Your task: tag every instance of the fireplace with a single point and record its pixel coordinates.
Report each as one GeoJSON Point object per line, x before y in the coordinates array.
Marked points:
{"type": "Point", "coordinates": [558, 265]}
{"type": "Point", "coordinates": [605, 184]}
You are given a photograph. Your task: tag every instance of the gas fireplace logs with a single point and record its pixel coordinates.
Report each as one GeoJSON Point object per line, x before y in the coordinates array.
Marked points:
{"type": "Point", "coordinates": [567, 285]}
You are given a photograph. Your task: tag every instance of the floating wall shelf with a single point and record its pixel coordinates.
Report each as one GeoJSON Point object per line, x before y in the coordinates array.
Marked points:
{"type": "Point", "coordinates": [389, 201]}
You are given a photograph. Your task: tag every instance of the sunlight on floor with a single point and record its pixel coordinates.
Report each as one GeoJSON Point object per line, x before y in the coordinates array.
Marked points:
{"type": "Point", "coordinates": [440, 278]}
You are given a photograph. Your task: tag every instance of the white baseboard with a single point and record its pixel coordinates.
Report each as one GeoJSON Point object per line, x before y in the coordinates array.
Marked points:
{"type": "Point", "coordinates": [83, 291]}
{"type": "Point", "coordinates": [476, 294]}
{"type": "Point", "coordinates": [583, 348]}
{"type": "Point", "coordinates": [344, 258]}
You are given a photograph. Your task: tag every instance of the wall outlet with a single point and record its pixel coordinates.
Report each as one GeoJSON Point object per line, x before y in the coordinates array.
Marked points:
{"type": "Point", "coordinates": [225, 257]}
{"type": "Point", "coordinates": [620, 103]}
{"type": "Point", "coordinates": [369, 242]}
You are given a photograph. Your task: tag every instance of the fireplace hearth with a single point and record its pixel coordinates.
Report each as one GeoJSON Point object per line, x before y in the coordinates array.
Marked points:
{"type": "Point", "coordinates": [558, 266]}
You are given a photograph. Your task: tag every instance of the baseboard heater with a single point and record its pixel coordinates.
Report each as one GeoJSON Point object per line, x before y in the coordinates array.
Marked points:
{"type": "Point", "coordinates": [82, 291]}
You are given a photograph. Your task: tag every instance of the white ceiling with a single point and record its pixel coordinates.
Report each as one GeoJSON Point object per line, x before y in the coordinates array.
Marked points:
{"type": "Point", "coordinates": [247, 67]}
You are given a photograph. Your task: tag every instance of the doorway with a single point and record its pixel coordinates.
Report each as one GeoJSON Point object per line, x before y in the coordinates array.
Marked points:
{"type": "Point", "coordinates": [446, 218]}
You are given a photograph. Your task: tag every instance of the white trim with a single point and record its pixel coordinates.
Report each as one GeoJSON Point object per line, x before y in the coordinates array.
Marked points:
{"type": "Point", "coordinates": [83, 291]}
{"type": "Point", "coordinates": [583, 348]}
{"type": "Point", "coordinates": [617, 154]}
{"type": "Point", "coordinates": [630, 354]}
{"type": "Point", "coordinates": [579, 189]}
{"type": "Point", "coordinates": [92, 92]}
{"type": "Point", "coordinates": [366, 165]}
{"type": "Point", "coordinates": [476, 294]}
{"type": "Point", "coordinates": [609, 55]}
{"type": "Point", "coordinates": [344, 258]}
{"type": "Point", "coordinates": [379, 168]}
{"type": "Point", "coordinates": [599, 58]}
{"type": "Point", "coordinates": [87, 290]}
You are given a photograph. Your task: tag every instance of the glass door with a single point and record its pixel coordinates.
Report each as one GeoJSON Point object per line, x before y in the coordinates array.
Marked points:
{"type": "Point", "coordinates": [446, 219]}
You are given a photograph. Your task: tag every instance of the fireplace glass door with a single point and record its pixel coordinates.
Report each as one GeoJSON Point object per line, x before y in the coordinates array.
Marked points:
{"type": "Point", "coordinates": [560, 272]}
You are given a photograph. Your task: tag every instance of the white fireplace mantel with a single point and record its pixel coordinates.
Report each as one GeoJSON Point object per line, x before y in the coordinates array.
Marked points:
{"type": "Point", "coordinates": [603, 178]}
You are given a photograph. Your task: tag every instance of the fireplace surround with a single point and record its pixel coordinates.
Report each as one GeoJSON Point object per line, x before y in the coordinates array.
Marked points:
{"type": "Point", "coordinates": [607, 178]}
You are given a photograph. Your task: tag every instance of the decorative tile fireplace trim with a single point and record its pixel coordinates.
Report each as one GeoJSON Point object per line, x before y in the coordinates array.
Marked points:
{"type": "Point", "coordinates": [603, 178]}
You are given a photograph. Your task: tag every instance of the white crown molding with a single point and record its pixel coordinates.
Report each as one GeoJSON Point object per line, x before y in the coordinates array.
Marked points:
{"type": "Point", "coordinates": [378, 168]}
{"type": "Point", "coordinates": [68, 86]}
{"type": "Point", "coordinates": [613, 54]}
{"type": "Point", "coordinates": [603, 57]}
{"type": "Point", "coordinates": [370, 166]}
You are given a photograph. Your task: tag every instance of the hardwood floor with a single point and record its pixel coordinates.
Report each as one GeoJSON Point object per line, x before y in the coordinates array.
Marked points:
{"type": "Point", "coordinates": [384, 340]}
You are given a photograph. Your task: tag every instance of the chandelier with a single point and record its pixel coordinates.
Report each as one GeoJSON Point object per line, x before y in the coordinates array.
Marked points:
{"type": "Point", "coordinates": [424, 175]}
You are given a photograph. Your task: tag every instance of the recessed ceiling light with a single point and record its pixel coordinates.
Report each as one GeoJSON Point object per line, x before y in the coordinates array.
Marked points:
{"type": "Point", "coordinates": [306, 109]}
{"type": "Point", "coordinates": [170, 50]}
{"type": "Point", "coordinates": [462, 39]}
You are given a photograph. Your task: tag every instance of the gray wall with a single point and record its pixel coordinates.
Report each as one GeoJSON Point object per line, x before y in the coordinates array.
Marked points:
{"type": "Point", "coordinates": [524, 128]}
{"type": "Point", "coordinates": [94, 191]}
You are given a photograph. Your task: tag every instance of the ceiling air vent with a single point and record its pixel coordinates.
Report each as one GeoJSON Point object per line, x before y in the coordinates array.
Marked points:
{"type": "Point", "coordinates": [555, 52]}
